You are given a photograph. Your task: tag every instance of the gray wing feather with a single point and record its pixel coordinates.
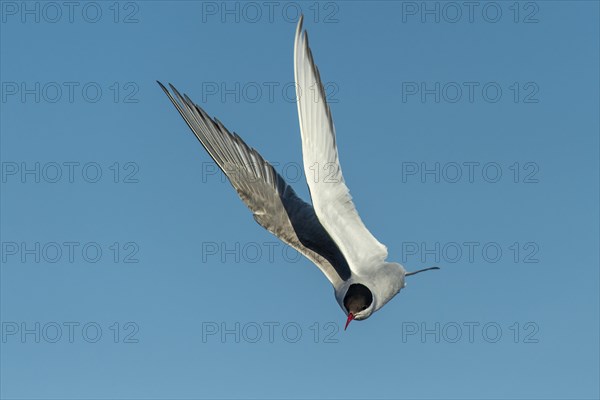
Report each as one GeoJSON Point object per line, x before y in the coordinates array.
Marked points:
{"type": "Point", "coordinates": [275, 205]}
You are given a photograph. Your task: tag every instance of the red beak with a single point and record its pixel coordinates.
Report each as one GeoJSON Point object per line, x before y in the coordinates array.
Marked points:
{"type": "Point", "coordinates": [350, 318]}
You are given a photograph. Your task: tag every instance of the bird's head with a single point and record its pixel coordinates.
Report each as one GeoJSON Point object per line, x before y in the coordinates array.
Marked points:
{"type": "Point", "coordinates": [358, 303]}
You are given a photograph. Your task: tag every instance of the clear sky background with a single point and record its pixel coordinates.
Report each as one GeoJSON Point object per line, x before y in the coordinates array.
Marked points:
{"type": "Point", "coordinates": [151, 280]}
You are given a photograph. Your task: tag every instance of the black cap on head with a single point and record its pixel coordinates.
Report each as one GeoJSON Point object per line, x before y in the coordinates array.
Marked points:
{"type": "Point", "coordinates": [358, 298]}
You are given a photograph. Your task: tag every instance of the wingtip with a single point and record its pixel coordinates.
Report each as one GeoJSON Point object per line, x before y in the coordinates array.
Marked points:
{"type": "Point", "coordinates": [299, 27]}
{"type": "Point", "coordinates": [160, 84]}
{"type": "Point", "coordinates": [163, 87]}
{"type": "Point", "coordinates": [177, 94]}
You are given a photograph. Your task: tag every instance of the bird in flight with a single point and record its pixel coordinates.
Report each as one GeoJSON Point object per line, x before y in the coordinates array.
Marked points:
{"type": "Point", "coordinates": [329, 232]}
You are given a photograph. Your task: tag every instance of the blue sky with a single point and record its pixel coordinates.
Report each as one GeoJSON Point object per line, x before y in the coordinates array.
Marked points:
{"type": "Point", "coordinates": [468, 138]}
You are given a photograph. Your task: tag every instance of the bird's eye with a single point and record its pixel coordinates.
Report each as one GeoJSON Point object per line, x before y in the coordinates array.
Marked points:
{"type": "Point", "coordinates": [363, 308]}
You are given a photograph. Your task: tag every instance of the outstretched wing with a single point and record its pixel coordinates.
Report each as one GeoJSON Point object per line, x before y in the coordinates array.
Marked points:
{"type": "Point", "coordinates": [330, 196]}
{"type": "Point", "coordinates": [273, 202]}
